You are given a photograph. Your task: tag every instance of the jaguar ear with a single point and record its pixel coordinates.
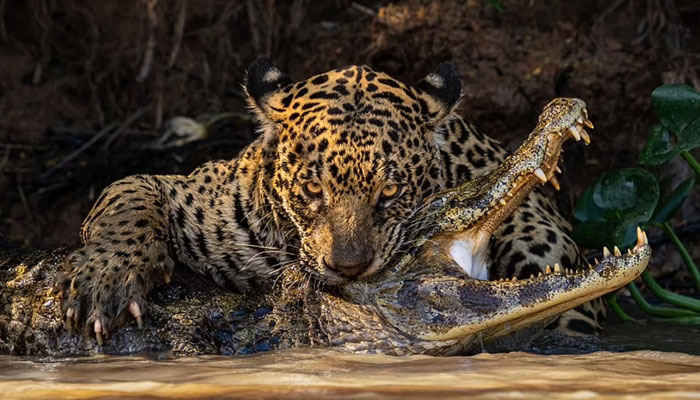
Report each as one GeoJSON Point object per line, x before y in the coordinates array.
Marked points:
{"type": "Point", "coordinates": [266, 86]}
{"type": "Point", "coordinates": [441, 90]}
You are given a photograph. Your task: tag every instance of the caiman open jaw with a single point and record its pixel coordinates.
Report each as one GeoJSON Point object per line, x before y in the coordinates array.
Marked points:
{"type": "Point", "coordinates": [469, 214]}
{"type": "Point", "coordinates": [441, 308]}
{"type": "Point", "coordinates": [428, 297]}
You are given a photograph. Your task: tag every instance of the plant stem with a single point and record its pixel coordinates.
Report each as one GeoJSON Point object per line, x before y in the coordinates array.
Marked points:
{"type": "Point", "coordinates": [684, 254]}
{"type": "Point", "coordinates": [669, 297]}
{"type": "Point", "coordinates": [692, 161]}
{"type": "Point", "coordinates": [655, 310]}
{"type": "Point", "coordinates": [612, 300]}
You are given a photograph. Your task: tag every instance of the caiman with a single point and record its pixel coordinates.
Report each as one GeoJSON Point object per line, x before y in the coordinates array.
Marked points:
{"type": "Point", "coordinates": [424, 304]}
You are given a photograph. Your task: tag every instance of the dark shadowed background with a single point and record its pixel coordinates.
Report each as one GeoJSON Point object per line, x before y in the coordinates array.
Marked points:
{"type": "Point", "coordinates": [87, 87]}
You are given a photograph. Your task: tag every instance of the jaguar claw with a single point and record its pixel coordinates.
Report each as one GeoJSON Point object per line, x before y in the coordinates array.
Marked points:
{"type": "Point", "coordinates": [135, 310]}
{"type": "Point", "coordinates": [98, 332]}
{"type": "Point", "coordinates": [69, 318]}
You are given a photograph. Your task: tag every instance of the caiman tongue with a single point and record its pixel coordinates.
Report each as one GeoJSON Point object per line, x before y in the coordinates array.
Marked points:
{"type": "Point", "coordinates": [463, 219]}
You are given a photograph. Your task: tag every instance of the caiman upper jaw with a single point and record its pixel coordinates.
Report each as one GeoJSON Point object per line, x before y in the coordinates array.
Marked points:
{"type": "Point", "coordinates": [474, 210]}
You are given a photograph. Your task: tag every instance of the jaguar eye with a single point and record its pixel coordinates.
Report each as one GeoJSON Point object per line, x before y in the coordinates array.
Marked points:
{"type": "Point", "coordinates": [390, 191]}
{"type": "Point", "coordinates": [313, 189]}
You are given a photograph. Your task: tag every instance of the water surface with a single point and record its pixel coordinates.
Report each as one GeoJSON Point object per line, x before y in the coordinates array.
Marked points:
{"type": "Point", "coordinates": [625, 372]}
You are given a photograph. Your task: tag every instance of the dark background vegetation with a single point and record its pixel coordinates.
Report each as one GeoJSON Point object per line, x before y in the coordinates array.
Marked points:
{"type": "Point", "coordinates": [86, 87]}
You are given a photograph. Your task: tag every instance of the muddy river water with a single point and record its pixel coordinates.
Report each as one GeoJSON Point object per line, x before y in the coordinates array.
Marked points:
{"type": "Point", "coordinates": [633, 361]}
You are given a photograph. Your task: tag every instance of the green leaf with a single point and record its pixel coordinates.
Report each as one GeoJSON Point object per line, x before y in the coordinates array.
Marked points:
{"type": "Point", "coordinates": [596, 234]}
{"type": "Point", "coordinates": [677, 106]}
{"type": "Point", "coordinates": [678, 109]}
{"type": "Point", "coordinates": [668, 208]}
{"type": "Point", "coordinates": [660, 147]}
{"type": "Point", "coordinates": [611, 209]}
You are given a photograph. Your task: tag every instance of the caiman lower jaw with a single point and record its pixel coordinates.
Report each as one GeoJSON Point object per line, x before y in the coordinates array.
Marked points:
{"type": "Point", "coordinates": [505, 306]}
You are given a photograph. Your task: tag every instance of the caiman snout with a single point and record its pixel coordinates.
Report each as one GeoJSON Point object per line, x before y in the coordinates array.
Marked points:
{"type": "Point", "coordinates": [350, 258]}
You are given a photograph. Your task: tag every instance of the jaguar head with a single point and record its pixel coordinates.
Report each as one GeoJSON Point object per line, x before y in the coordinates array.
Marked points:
{"type": "Point", "coordinates": [349, 155]}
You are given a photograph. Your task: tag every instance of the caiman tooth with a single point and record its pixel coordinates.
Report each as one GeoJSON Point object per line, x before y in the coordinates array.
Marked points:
{"type": "Point", "coordinates": [616, 251]}
{"type": "Point", "coordinates": [640, 237]}
{"type": "Point", "coordinates": [606, 252]}
{"type": "Point", "coordinates": [590, 267]}
{"type": "Point", "coordinates": [555, 182]}
{"type": "Point", "coordinates": [595, 260]}
{"type": "Point", "coordinates": [557, 268]}
{"type": "Point", "coordinates": [587, 122]}
{"type": "Point", "coordinates": [502, 202]}
{"type": "Point", "coordinates": [629, 252]}
{"type": "Point", "coordinates": [586, 138]}
{"type": "Point", "coordinates": [541, 175]}
{"type": "Point", "coordinates": [557, 169]}
{"type": "Point", "coordinates": [548, 270]}
{"type": "Point", "coordinates": [532, 276]}
{"type": "Point", "coordinates": [574, 132]}
{"type": "Point", "coordinates": [539, 274]}
{"type": "Point", "coordinates": [513, 279]}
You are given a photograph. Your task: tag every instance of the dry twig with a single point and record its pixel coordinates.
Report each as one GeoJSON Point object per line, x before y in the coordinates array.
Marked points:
{"type": "Point", "coordinates": [125, 125]}
{"type": "Point", "coordinates": [99, 135]}
{"type": "Point", "coordinates": [179, 30]}
{"type": "Point", "coordinates": [151, 42]}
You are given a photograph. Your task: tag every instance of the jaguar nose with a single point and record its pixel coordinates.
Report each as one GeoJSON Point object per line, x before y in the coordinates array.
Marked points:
{"type": "Point", "coordinates": [350, 265]}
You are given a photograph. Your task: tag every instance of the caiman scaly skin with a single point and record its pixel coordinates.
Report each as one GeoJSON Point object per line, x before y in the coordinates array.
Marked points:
{"type": "Point", "coordinates": [425, 304]}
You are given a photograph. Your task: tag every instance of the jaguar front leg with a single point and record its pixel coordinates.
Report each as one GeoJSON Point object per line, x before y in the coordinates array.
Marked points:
{"type": "Point", "coordinates": [125, 254]}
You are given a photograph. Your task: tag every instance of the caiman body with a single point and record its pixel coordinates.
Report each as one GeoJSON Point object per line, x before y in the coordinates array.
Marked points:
{"type": "Point", "coordinates": [424, 304]}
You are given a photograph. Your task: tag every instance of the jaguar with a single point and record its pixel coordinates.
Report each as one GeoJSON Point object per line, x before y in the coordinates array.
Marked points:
{"type": "Point", "coordinates": [331, 187]}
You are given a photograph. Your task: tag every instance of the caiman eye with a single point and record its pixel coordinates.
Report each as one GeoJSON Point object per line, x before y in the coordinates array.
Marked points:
{"type": "Point", "coordinates": [390, 191]}
{"type": "Point", "coordinates": [313, 189]}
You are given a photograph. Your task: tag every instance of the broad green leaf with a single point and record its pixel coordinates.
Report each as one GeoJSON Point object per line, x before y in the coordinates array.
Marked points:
{"type": "Point", "coordinates": [668, 208]}
{"type": "Point", "coordinates": [619, 194]}
{"type": "Point", "coordinates": [611, 209]}
{"type": "Point", "coordinates": [678, 109]}
{"type": "Point", "coordinates": [660, 147]}
{"type": "Point", "coordinates": [677, 106]}
{"type": "Point", "coordinates": [596, 234]}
